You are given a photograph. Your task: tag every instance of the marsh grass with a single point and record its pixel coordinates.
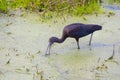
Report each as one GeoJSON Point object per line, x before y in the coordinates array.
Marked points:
{"type": "Point", "coordinates": [3, 6]}
{"type": "Point", "coordinates": [89, 8]}
{"type": "Point", "coordinates": [50, 8]}
{"type": "Point", "coordinates": [27, 4]}
{"type": "Point", "coordinates": [49, 5]}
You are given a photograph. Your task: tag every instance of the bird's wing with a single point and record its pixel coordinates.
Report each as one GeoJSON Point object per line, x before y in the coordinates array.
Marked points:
{"type": "Point", "coordinates": [77, 32]}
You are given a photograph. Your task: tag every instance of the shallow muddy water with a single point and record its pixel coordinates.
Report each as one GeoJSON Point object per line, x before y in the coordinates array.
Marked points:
{"type": "Point", "coordinates": [23, 42]}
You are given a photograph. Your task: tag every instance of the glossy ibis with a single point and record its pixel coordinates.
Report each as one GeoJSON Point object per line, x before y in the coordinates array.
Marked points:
{"type": "Point", "coordinates": [76, 31]}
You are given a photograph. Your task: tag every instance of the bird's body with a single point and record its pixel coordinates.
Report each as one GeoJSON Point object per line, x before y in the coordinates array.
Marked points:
{"type": "Point", "coordinates": [75, 30]}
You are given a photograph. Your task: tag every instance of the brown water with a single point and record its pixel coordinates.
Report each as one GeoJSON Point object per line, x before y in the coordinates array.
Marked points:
{"type": "Point", "coordinates": [23, 41]}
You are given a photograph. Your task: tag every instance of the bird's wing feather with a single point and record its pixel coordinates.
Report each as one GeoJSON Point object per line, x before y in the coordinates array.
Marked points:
{"type": "Point", "coordinates": [77, 32]}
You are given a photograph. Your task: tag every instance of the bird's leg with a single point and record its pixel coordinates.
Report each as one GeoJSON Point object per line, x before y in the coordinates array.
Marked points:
{"type": "Point", "coordinates": [77, 40]}
{"type": "Point", "coordinates": [90, 39]}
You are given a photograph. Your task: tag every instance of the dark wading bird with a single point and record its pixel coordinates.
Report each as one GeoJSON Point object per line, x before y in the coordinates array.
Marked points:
{"type": "Point", "coordinates": [75, 30]}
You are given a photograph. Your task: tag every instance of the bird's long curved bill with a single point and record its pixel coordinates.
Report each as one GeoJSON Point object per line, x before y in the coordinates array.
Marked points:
{"type": "Point", "coordinates": [48, 49]}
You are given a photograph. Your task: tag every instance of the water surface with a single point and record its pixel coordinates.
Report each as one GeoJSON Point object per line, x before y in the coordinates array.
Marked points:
{"type": "Point", "coordinates": [23, 41]}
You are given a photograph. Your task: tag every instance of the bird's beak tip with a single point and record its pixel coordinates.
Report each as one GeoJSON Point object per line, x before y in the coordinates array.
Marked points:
{"type": "Point", "coordinates": [48, 49]}
{"type": "Point", "coordinates": [47, 54]}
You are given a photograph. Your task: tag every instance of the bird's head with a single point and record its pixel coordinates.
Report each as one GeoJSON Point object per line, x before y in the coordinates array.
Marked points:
{"type": "Point", "coordinates": [97, 27]}
{"type": "Point", "coordinates": [51, 41]}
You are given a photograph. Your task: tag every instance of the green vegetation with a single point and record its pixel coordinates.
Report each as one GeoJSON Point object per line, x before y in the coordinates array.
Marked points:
{"type": "Point", "coordinates": [112, 1]}
{"type": "Point", "coordinates": [72, 6]}
{"type": "Point", "coordinates": [27, 4]}
{"type": "Point", "coordinates": [50, 8]}
{"type": "Point", "coordinates": [118, 1]}
{"type": "Point", "coordinates": [3, 6]}
{"type": "Point", "coordinates": [86, 8]}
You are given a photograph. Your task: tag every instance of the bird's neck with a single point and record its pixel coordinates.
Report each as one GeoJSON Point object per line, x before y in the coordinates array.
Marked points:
{"type": "Point", "coordinates": [60, 40]}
